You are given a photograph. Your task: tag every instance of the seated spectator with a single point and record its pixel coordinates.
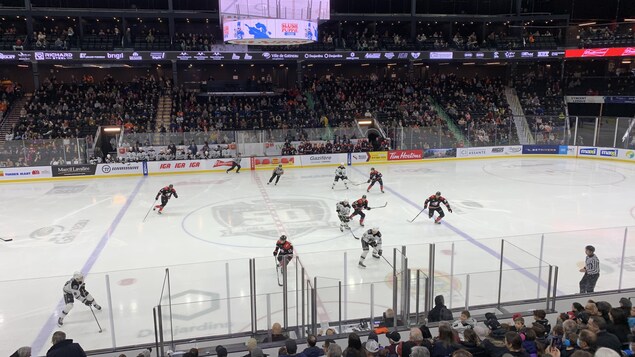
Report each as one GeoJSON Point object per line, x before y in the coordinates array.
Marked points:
{"type": "Point", "coordinates": [597, 325]}
{"type": "Point", "coordinates": [63, 347]}
{"type": "Point", "coordinates": [472, 343]}
{"type": "Point", "coordinates": [22, 352]}
{"type": "Point", "coordinates": [354, 347]}
{"type": "Point", "coordinates": [276, 333]}
{"type": "Point", "coordinates": [312, 350]}
{"type": "Point", "coordinates": [464, 322]}
{"type": "Point", "coordinates": [444, 344]}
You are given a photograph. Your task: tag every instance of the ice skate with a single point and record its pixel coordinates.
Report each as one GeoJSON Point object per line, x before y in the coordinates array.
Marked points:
{"type": "Point", "coordinates": [375, 255]}
{"type": "Point", "coordinates": [382, 191]}
{"type": "Point", "coordinates": [60, 321]}
{"type": "Point", "coordinates": [268, 183]}
{"type": "Point", "coordinates": [341, 229]}
{"type": "Point", "coordinates": [98, 307]}
{"type": "Point", "coordinates": [159, 212]}
{"type": "Point", "coordinates": [361, 264]}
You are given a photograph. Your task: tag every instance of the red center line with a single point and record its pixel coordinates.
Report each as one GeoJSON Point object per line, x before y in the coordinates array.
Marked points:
{"type": "Point", "coordinates": [322, 313]}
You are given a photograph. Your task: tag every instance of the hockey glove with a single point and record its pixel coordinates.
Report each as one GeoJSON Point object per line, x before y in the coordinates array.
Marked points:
{"type": "Point", "coordinates": [88, 302]}
{"type": "Point", "coordinates": [368, 181]}
{"type": "Point", "coordinates": [379, 252]}
{"type": "Point", "coordinates": [373, 244]}
{"type": "Point", "coordinates": [274, 254]}
{"type": "Point", "coordinates": [450, 209]}
{"type": "Point", "coordinates": [425, 207]}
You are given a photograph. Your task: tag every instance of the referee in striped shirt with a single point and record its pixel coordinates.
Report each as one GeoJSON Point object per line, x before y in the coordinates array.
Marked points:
{"type": "Point", "coordinates": [591, 270]}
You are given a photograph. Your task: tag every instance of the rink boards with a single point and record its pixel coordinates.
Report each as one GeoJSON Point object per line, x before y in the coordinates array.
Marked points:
{"type": "Point", "coordinates": [38, 173]}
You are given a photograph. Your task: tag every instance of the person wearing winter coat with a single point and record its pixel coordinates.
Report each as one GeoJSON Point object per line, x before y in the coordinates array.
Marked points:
{"type": "Point", "coordinates": [465, 322]}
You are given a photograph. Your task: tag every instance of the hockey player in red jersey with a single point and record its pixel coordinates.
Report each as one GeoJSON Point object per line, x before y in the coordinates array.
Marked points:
{"type": "Point", "coordinates": [435, 206]}
{"type": "Point", "coordinates": [283, 251]}
{"type": "Point", "coordinates": [375, 176]}
{"type": "Point", "coordinates": [165, 194]}
{"type": "Point", "coordinates": [358, 207]}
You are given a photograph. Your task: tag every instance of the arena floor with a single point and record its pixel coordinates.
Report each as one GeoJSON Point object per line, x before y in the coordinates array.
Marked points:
{"type": "Point", "coordinates": [221, 220]}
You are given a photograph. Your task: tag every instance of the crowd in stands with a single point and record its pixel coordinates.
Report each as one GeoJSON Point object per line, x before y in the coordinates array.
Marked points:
{"type": "Point", "coordinates": [9, 92]}
{"type": "Point", "coordinates": [477, 106]}
{"type": "Point", "coordinates": [613, 35]}
{"type": "Point", "coordinates": [541, 97]}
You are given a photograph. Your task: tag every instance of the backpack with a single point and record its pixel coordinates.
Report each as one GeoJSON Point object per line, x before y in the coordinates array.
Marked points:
{"type": "Point", "coordinates": [445, 314]}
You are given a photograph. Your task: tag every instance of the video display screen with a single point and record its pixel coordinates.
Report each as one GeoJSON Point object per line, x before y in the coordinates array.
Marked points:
{"type": "Point", "coordinates": [308, 10]}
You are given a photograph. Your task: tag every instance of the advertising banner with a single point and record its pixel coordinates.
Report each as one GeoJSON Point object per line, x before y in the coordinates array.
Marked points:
{"type": "Point", "coordinates": [135, 168]}
{"type": "Point", "coordinates": [545, 150]}
{"type": "Point", "coordinates": [601, 52]}
{"type": "Point", "coordinates": [270, 31]}
{"type": "Point", "coordinates": [405, 155]}
{"type": "Point", "coordinates": [271, 162]}
{"type": "Point", "coordinates": [489, 151]}
{"type": "Point", "coordinates": [439, 153]}
{"type": "Point", "coordinates": [73, 170]}
{"type": "Point", "coordinates": [23, 173]}
{"type": "Point", "coordinates": [587, 151]}
{"type": "Point", "coordinates": [322, 159]}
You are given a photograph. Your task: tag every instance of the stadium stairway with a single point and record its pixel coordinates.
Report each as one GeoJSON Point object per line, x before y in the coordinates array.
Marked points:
{"type": "Point", "coordinates": [164, 111]}
{"type": "Point", "coordinates": [13, 117]}
{"type": "Point", "coordinates": [522, 127]}
{"type": "Point", "coordinates": [458, 134]}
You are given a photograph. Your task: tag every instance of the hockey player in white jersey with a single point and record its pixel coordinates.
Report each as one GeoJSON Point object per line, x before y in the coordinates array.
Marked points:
{"type": "Point", "coordinates": [371, 237]}
{"type": "Point", "coordinates": [343, 209]}
{"type": "Point", "coordinates": [340, 174]}
{"type": "Point", "coordinates": [76, 289]}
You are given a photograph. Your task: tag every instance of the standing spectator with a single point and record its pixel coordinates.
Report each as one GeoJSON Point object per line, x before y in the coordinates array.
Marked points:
{"type": "Point", "coordinates": [591, 270]}
{"type": "Point", "coordinates": [63, 347]}
{"type": "Point", "coordinates": [440, 312]}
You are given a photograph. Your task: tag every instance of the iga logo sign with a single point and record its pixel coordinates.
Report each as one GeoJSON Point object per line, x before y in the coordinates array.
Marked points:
{"type": "Point", "coordinates": [405, 155]}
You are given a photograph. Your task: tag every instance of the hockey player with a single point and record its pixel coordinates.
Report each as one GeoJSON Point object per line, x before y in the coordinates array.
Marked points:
{"type": "Point", "coordinates": [165, 193]}
{"type": "Point", "coordinates": [340, 174]}
{"type": "Point", "coordinates": [235, 163]}
{"type": "Point", "coordinates": [277, 172]}
{"type": "Point", "coordinates": [371, 237]}
{"type": "Point", "coordinates": [283, 251]}
{"type": "Point", "coordinates": [343, 210]}
{"type": "Point", "coordinates": [435, 206]}
{"type": "Point", "coordinates": [76, 289]}
{"type": "Point", "coordinates": [375, 176]}
{"type": "Point", "coordinates": [358, 207]}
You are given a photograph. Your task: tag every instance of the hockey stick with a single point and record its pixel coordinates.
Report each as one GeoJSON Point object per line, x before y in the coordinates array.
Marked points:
{"type": "Point", "coordinates": [420, 212]}
{"type": "Point", "coordinates": [385, 204]}
{"type": "Point", "coordinates": [144, 218]}
{"type": "Point", "coordinates": [97, 321]}
{"type": "Point", "coordinates": [354, 236]}
{"type": "Point", "coordinates": [387, 261]}
{"type": "Point", "coordinates": [278, 269]}
{"type": "Point", "coordinates": [6, 239]}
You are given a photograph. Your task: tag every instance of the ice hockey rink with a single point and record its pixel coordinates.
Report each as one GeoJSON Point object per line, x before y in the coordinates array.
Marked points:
{"type": "Point", "coordinates": [221, 220]}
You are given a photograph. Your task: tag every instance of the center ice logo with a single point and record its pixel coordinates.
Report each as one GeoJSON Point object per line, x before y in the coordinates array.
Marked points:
{"type": "Point", "coordinates": [251, 217]}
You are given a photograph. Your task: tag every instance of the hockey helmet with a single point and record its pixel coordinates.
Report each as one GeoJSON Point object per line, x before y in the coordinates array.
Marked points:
{"type": "Point", "coordinates": [345, 201]}
{"type": "Point", "coordinates": [78, 276]}
{"type": "Point", "coordinates": [375, 230]}
{"type": "Point", "coordinates": [438, 193]}
{"type": "Point", "coordinates": [372, 169]}
{"type": "Point", "coordinates": [170, 185]}
{"type": "Point", "coordinates": [341, 164]}
{"type": "Point", "coordinates": [364, 196]}
{"type": "Point", "coordinates": [283, 237]}
{"type": "Point", "coordinates": [279, 165]}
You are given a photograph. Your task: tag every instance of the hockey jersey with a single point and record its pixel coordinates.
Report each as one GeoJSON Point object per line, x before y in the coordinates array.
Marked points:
{"type": "Point", "coordinates": [343, 208]}
{"type": "Point", "coordinates": [278, 171]}
{"type": "Point", "coordinates": [76, 288]}
{"type": "Point", "coordinates": [167, 192]}
{"type": "Point", "coordinates": [370, 238]}
{"type": "Point", "coordinates": [283, 248]}
{"type": "Point", "coordinates": [375, 175]}
{"type": "Point", "coordinates": [435, 202]}
{"type": "Point", "coordinates": [340, 171]}
{"type": "Point", "coordinates": [360, 204]}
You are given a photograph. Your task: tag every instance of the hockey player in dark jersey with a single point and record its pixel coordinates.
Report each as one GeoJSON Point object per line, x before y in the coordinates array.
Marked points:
{"type": "Point", "coordinates": [358, 207]}
{"type": "Point", "coordinates": [375, 176]}
{"type": "Point", "coordinates": [277, 172]}
{"type": "Point", "coordinates": [75, 289]}
{"type": "Point", "coordinates": [435, 206]}
{"type": "Point", "coordinates": [235, 164]}
{"type": "Point", "coordinates": [283, 251]}
{"type": "Point", "coordinates": [165, 194]}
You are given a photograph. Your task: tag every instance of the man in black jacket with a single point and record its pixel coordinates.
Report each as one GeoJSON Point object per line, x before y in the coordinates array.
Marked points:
{"type": "Point", "coordinates": [606, 339]}
{"type": "Point", "coordinates": [63, 347]}
{"type": "Point", "coordinates": [440, 312]}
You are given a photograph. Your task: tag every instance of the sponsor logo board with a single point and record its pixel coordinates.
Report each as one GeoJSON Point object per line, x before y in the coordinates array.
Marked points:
{"type": "Point", "coordinates": [74, 170]}
{"type": "Point", "coordinates": [405, 155]}
{"type": "Point", "coordinates": [588, 151]}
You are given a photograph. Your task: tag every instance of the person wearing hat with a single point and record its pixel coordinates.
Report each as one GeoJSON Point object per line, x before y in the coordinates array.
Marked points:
{"type": "Point", "coordinates": [221, 351]}
{"type": "Point", "coordinates": [591, 270]}
{"type": "Point", "coordinates": [626, 305]}
{"type": "Point", "coordinates": [394, 348]}
{"type": "Point", "coordinates": [372, 348]}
